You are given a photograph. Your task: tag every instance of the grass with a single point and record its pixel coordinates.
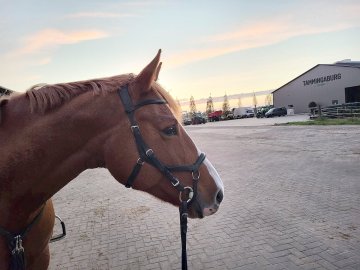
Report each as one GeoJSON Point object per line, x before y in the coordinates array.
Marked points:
{"type": "Point", "coordinates": [327, 122]}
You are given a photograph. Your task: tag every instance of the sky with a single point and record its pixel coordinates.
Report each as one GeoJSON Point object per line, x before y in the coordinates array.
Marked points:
{"type": "Point", "coordinates": [208, 47]}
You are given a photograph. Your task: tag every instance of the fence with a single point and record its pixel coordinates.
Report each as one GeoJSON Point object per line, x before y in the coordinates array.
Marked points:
{"type": "Point", "coordinates": [337, 111]}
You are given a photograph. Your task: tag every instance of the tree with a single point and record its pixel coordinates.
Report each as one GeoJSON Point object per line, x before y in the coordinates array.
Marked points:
{"type": "Point", "coordinates": [239, 102]}
{"type": "Point", "coordinates": [225, 106]}
{"type": "Point", "coordinates": [268, 100]}
{"type": "Point", "coordinates": [192, 106]}
{"type": "Point", "coordinates": [209, 105]}
{"type": "Point", "coordinates": [178, 102]}
{"type": "Point", "coordinates": [254, 100]}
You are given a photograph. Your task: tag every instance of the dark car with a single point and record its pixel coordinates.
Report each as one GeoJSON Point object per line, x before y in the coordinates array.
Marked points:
{"type": "Point", "coordinates": [276, 112]}
{"type": "Point", "coordinates": [186, 121]}
{"type": "Point", "coordinates": [198, 119]}
{"type": "Point", "coordinates": [262, 110]}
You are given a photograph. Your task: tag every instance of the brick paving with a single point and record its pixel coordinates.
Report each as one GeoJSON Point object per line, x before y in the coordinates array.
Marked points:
{"type": "Point", "coordinates": [292, 201]}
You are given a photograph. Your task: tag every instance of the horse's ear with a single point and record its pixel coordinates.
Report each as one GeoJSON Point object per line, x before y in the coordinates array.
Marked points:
{"type": "Point", "coordinates": [149, 73]}
{"type": "Point", "coordinates": [157, 72]}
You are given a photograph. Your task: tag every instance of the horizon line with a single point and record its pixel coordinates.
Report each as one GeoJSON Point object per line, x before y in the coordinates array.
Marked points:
{"type": "Point", "coordinates": [221, 98]}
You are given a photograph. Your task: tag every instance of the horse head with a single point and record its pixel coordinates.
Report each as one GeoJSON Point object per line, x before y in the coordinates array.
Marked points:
{"type": "Point", "coordinates": [151, 148]}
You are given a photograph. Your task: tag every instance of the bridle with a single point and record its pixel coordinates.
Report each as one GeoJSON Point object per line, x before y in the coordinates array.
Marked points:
{"type": "Point", "coordinates": [146, 154]}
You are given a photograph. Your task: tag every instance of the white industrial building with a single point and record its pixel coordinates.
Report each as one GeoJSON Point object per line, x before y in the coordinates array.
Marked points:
{"type": "Point", "coordinates": [324, 84]}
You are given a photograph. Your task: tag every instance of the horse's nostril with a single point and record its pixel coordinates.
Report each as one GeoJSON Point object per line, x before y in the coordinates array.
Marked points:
{"type": "Point", "coordinates": [219, 196]}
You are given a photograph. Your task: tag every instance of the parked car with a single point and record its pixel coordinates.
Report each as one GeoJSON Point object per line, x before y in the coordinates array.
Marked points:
{"type": "Point", "coordinates": [276, 112]}
{"type": "Point", "coordinates": [230, 116]}
{"type": "Point", "coordinates": [260, 113]}
{"type": "Point", "coordinates": [243, 112]}
{"type": "Point", "coordinates": [186, 121]}
{"type": "Point", "coordinates": [215, 116]}
{"type": "Point", "coordinates": [198, 119]}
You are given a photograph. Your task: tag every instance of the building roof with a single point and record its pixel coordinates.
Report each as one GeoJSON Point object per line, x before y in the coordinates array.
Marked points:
{"type": "Point", "coordinates": [354, 64]}
{"type": "Point", "coordinates": [344, 63]}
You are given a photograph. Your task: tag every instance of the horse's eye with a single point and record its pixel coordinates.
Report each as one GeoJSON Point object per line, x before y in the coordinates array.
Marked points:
{"type": "Point", "coordinates": [170, 131]}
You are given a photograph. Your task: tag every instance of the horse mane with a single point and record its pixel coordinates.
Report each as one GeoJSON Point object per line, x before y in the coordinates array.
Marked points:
{"type": "Point", "coordinates": [5, 97]}
{"type": "Point", "coordinates": [44, 97]}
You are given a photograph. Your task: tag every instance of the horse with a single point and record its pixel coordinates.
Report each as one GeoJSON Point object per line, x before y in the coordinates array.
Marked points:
{"type": "Point", "coordinates": [127, 124]}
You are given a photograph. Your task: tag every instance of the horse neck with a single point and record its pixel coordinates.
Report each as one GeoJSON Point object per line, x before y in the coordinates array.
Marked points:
{"type": "Point", "coordinates": [45, 152]}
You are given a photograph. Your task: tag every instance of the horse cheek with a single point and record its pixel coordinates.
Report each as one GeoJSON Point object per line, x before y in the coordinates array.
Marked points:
{"type": "Point", "coordinates": [114, 159]}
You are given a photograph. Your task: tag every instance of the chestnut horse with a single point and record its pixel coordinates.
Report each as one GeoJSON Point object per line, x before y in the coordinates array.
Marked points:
{"type": "Point", "coordinates": [52, 133]}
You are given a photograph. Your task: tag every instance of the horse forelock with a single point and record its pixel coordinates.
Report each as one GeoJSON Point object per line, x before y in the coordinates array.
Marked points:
{"type": "Point", "coordinates": [174, 106]}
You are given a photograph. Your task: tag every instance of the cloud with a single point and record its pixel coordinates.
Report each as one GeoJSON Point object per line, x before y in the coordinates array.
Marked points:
{"type": "Point", "coordinates": [42, 61]}
{"type": "Point", "coordinates": [142, 3]}
{"type": "Point", "coordinates": [99, 15]}
{"type": "Point", "coordinates": [49, 39]}
{"type": "Point", "coordinates": [253, 35]}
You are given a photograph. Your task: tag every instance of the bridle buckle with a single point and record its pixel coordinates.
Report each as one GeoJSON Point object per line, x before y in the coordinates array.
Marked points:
{"type": "Point", "coordinates": [140, 161]}
{"type": "Point", "coordinates": [134, 127]}
{"type": "Point", "coordinates": [176, 183]}
{"type": "Point", "coordinates": [190, 196]}
{"type": "Point", "coordinates": [149, 152]}
{"type": "Point", "coordinates": [18, 245]}
{"type": "Point", "coordinates": [195, 175]}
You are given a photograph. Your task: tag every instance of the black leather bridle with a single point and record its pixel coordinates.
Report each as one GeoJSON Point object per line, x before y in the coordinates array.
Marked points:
{"type": "Point", "coordinates": [146, 154]}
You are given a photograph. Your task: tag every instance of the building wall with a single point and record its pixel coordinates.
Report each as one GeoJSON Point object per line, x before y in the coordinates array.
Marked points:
{"type": "Point", "coordinates": [311, 86]}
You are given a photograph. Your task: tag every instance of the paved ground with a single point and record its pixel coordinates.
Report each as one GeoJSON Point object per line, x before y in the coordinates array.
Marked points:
{"type": "Point", "coordinates": [292, 201]}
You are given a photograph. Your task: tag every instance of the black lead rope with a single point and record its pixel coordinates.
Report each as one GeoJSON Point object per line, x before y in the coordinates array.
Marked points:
{"type": "Point", "coordinates": [183, 231]}
{"type": "Point", "coordinates": [147, 155]}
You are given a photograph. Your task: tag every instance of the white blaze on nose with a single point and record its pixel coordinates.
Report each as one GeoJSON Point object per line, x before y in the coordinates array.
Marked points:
{"type": "Point", "coordinates": [219, 183]}
{"type": "Point", "coordinates": [212, 209]}
{"type": "Point", "coordinates": [212, 171]}
{"type": "Point", "coordinates": [214, 174]}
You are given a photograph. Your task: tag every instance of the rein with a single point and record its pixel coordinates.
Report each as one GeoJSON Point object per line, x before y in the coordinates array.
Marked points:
{"type": "Point", "coordinates": [146, 154]}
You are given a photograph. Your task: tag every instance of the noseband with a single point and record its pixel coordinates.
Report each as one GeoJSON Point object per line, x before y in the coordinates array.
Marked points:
{"type": "Point", "coordinates": [146, 154]}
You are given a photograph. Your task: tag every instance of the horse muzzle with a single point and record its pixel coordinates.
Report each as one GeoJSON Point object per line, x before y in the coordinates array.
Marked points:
{"type": "Point", "coordinates": [199, 209]}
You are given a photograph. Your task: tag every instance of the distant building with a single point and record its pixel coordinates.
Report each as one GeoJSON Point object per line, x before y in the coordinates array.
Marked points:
{"type": "Point", "coordinates": [324, 84]}
{"type": "Point", "coordinates": [4, 91]}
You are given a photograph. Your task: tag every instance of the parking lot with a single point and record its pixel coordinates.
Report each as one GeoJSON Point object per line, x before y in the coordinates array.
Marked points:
{"type": "Point", "coordinates": [292, 201]}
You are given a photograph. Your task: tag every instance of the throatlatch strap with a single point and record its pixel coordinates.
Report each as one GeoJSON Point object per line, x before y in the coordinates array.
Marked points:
{"type": "Point", "coordinates": [133, 175]}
